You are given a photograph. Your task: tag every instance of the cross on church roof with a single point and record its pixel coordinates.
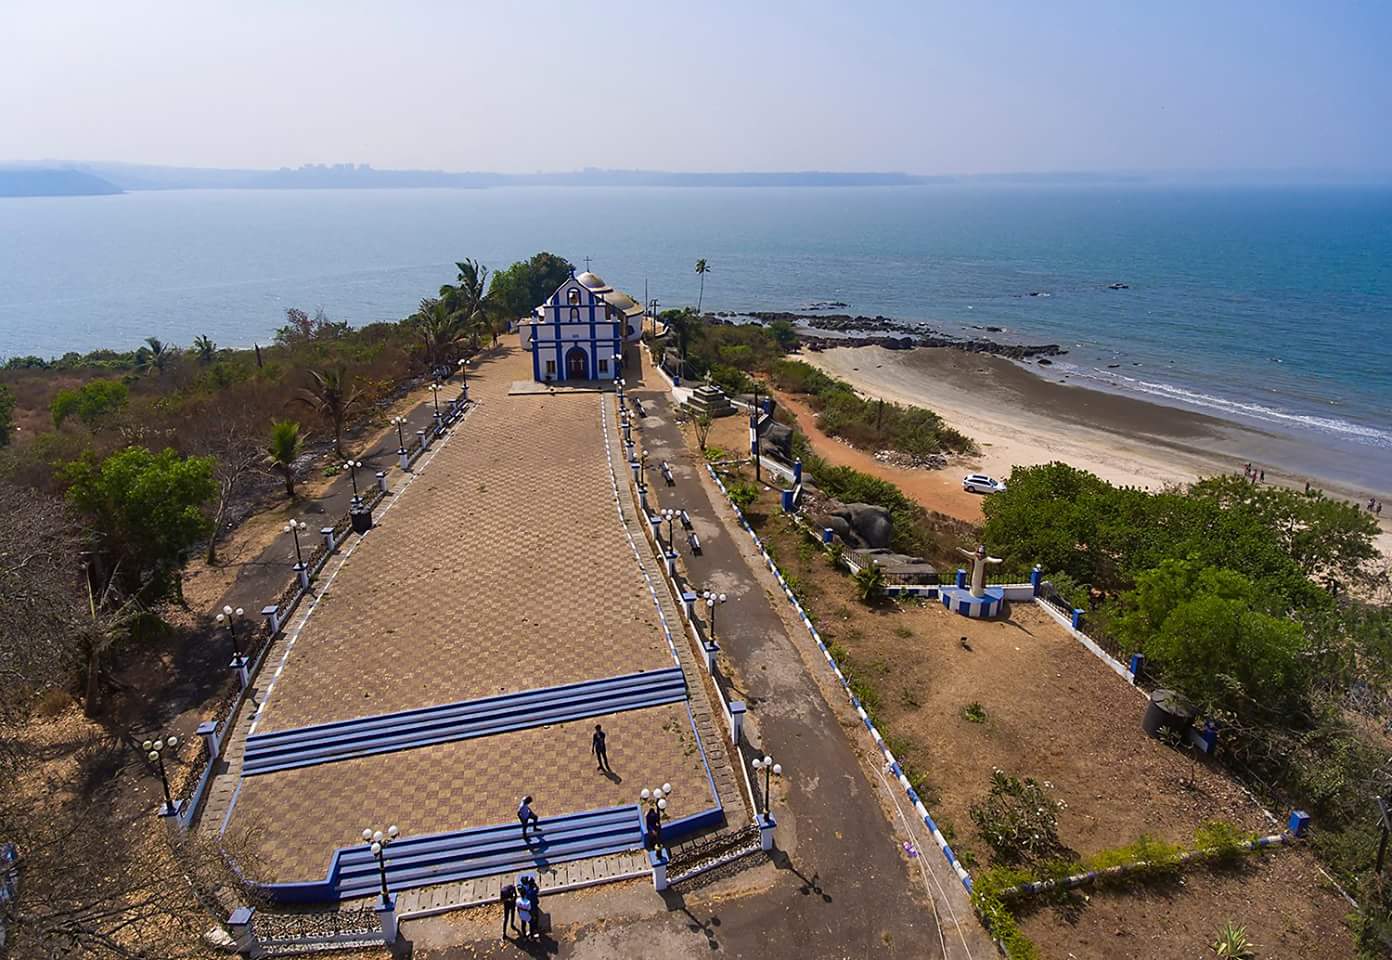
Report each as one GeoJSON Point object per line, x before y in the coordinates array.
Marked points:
{"type": "Point", "coordinates": [587, 264]}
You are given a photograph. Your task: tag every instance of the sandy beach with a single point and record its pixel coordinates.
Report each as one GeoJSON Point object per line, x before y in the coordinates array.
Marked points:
{"type": "Point", "coordinates": [1018, 418]}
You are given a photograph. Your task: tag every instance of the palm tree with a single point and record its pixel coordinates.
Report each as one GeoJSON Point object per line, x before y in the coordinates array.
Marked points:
{"type": "Point", "coordinates": [287, 443]}
{"type": "Point", "coordinates": [440, 330]}
{"type": "Point", "coordinates": [702, 268]}
{"type": "Point", "coordinates": [470, 299]}
{"type": "Point", "coordinates": [869, 583]}
{"type": "Point", "coordinates": [333, 396]}
{"type": "Point", "coordinates": [155, 355]}
{"type": "Point", "coordinates": [205, 348]}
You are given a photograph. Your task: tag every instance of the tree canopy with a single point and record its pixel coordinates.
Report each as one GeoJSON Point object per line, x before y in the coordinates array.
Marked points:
{"type": "Point", "coordinates": [146, 510]}
{"type": "Point", "coordinates": [94, 403]}
{"type": "Point", "coordinates": [524, 285]}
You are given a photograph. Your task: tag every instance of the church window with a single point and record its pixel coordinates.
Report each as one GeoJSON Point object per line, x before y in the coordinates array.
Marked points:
{"type": "Point", "coordinates": [550, 368]}
{"type": "Point", "coordinates": [603, 365]}
{"type": "Point", "coordinates": [574, 314]}
{"type": "Point", "coordinates": [573, 295]}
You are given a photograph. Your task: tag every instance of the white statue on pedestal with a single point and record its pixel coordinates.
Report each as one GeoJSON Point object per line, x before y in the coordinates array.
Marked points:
{"type": "Point", "coordinates": [979, 562]}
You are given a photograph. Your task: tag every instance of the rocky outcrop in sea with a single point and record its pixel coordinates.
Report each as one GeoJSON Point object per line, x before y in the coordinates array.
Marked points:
{"type": "Point", "coordinates": [851, 332]}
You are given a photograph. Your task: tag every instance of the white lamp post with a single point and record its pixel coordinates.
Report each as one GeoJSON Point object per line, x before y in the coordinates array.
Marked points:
{"type": "Point", "coordinates": [377, 842]}
{"type": "Point", "coordinates": [154, 752]}
{"type": "Point", "coordinates": [669, 515]}
{"type": "Point", "coordinates": [713, 600]}
{"type": "Point", "coordinates": [353, 466]}
{"type": "Point", "coordinates": [231, 617]}
{"type": "Point", "coordinates": [767, 765]}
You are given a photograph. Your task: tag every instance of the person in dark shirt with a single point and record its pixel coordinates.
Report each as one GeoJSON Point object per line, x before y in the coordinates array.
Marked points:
{"type": "Point", "coordinates": [653, 820]}
{"type": "Point", "coordinates": [598, 748]}
{"type": "Point", "coordinates": [507, 896]}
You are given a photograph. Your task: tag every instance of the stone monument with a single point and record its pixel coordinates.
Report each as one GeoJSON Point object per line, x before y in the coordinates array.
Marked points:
{"type": "Point", "coordinates": [710, 400]}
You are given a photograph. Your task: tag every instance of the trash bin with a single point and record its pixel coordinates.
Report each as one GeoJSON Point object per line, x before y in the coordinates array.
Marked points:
{"type": "Point", "coordinates": [361, 518]}
{"type": "Point", "coordinates": [1168, 710]}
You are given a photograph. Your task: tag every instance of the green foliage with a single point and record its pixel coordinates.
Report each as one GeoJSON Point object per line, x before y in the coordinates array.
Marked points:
{"type": "Point", "coordinates": [1204, 627]}
{"type": "Point", "coordinates": [146, 508]}
{"type": "Point", "coordinates": [1224, 839]}
{"type": "Point", "coordinates": [1071, 521]}
{"type": "Point", "coordinates": [1232, 943]}
{"type": "Point", "coordinates": [1159, 856]}
{"type": "Point", "coordinates": [836, 555]}
{"type": "Point", "coordinates": [784, 334]}
{"type": "Point", "coordinates": [743, 494]}
{"type": "Point", "coordinates": [1017, 819]}
{"type": "Point", "coordinates": [526, 284]}
{"type": "Point", "coordinates": [7, 405]}
{"type": "Point", "coordinates": [300, 328]}
{"type": "Point", "coordinates": [285, 445]}
{"type": "Point", "coordinates": [909, 519]}
{"type": "Point", "coordinates": [996, 916]}
{"type": "Point", "coordinates": [94, 403]}
{"type": "Point", "coordinates": [869, 583]}
{"type": "Point", "coordinates": [714, 454]}
{"type": "Point", "coordinates": [974, 712]}
{"type": "Point", "coordinates": [870, 424]}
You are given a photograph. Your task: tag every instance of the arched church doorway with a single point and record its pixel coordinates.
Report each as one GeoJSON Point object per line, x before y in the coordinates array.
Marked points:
{"type": "Point", "coordinates": [577, 365]}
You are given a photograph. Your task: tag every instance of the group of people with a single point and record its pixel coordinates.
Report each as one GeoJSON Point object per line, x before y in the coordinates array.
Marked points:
{"type": "Point", "coordinates": [1375, 506]}
{"type": "Point", "coordinates": [1255, 475]}
{"type": "Point", "coordinates": [522, 904]}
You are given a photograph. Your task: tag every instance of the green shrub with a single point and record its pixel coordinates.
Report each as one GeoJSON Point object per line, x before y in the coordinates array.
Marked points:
{"type": "Point", "coordinates": [974, 712]}
{"type": "Point", "coordinates": [870, 583]}
{"type": "Point", "coordinates": [1017, 819]}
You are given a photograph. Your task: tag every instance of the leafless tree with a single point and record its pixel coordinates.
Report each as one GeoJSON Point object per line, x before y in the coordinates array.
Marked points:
{"type": "Point", "coordinates": [234, 442]}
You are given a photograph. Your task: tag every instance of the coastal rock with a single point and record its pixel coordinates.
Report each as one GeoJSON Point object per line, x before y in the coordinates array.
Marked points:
{"type": "Point", "coordinates": [866, 524]}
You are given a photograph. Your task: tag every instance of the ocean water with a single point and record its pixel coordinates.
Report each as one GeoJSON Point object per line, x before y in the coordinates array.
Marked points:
{"type": "Point", "coordinates": [1270, 306]}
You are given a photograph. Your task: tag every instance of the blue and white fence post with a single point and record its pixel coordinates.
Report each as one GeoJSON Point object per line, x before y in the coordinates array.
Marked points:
{"type": "Point", "coordinates": [424, 439]}
{"type": "Point", "coordinates": [827, 534]}
{"type": "Point", "coordinates": [1036, 579]}
{"type": "Point", "coordinates": [328, 534]}
{"type": "Point", "coordinates": [797, 472]}
{"type": "Point", "coordinates": [1077, 619]}
{"type": "Point", "coordinates": [786, 501]}
{"type": "Point", "coordinates": [272, 614]}
{"type": "Point", "coordinates": [1299, 823]}
{"type": "Point", "coordinates": [1137, 666]}
{"type": "Point", "coordinates": [961, 580]}
{"type": "Point", "coordinates": [382, 481]}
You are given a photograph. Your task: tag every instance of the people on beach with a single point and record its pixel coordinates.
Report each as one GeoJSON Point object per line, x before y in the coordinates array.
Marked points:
{"type": "Point", "coordinates": [526, 815]}
{"type": "Point", "coordinates": [507, 896]}
{"type": "Point", "coordinates": [598, 748]}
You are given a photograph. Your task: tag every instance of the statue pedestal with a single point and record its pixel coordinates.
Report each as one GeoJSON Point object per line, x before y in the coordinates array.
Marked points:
{"type": "Point", "coordinates": [960, 600]}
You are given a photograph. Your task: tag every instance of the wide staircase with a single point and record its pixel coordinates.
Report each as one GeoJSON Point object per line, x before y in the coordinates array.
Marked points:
{"type": "Point", "coordinates": [465, 854]}
{"type": "Point", "coordinates": [388, 732]}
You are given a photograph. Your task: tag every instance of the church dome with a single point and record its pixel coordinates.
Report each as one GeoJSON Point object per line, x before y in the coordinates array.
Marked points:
{"type": "Point", "coordinates": [620, 301]}
{"type": "Point", "coordinates": [593, 283]}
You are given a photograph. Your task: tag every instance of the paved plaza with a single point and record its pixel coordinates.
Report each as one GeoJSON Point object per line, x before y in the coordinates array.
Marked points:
{"type": "Point", "coordinates": [503, 567]}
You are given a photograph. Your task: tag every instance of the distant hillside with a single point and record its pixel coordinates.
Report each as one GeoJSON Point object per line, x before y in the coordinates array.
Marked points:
{"type": "Point", "coordinates": [349, 176]}
{"type": "Point", "coordinates": [53, 183]}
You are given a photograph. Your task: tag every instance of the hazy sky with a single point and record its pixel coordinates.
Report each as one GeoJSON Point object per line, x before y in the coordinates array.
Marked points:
{"type": "Point", "coordinates": [525, 85]}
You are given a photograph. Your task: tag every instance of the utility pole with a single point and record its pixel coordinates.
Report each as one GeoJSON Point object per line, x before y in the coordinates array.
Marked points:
{"type": "Point", "coordinates": [1385, 824]}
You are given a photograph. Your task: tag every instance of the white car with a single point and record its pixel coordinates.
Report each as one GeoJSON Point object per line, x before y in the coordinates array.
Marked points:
{"type": "Point", "coordinates": [980, 483]}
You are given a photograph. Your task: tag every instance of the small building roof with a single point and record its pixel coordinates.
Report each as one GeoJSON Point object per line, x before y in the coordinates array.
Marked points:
{"type": "Point", "coordinates": [594, 283]}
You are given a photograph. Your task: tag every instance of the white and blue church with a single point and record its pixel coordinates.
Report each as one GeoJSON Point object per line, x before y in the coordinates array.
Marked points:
{"type": "Point", "coordinates": [580, 331]}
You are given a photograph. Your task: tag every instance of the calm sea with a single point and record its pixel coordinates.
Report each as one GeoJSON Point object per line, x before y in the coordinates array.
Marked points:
{"type": "Point", "coordinates": [1267, 305]}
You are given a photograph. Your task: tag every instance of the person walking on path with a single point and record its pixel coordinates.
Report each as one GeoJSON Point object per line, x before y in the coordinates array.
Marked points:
{"type": "Point", "coordinates": [507, 896]}
{"type": "Point", "coordinates": [598, 748]}
{"type": "Point", "coordinates": [526, 815]}
{"type": "Point", "coordinates": [524, 908]}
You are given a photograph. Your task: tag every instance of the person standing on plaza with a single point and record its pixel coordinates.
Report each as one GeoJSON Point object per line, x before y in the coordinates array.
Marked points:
{"type": "Point", "coordinates": [524, 907]}
{"type": "Point", "coordinates": [532, 893]}
{"type": "Point", "coordinates": [507, 896]}
{"type": "Point", "coordinates": [653, 821]}
{"type": "Point", "coordinates": [599, 749]}
{"type": "Point", "coordinates": [526, 815]}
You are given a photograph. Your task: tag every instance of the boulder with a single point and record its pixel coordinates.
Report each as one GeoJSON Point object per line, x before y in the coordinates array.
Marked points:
{"type": "Point", "coordinates": [776, 438]}
{"type": "Point", "coordinates": [866, 525]}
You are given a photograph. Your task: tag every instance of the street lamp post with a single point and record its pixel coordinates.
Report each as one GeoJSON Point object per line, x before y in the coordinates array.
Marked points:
{"type": "Point", "coordinates": [754, 432]}
{"type": "Point", "coordinates": [767, 765]}
{"type": "Point", "coordinates": [154, 752]}
{"type": "Point", "coordinates": [400, 424]}
{"type": "Point", "coordinates": [293, 528]}
{"type": "Point", "coordinates": [464, 378]}
{"type": "Point", "coordinates": [656, 802]}
{"type": "Point", "coordinates": [377, 842]}
{"type": "Point", "coordinates": [230, 617]}
{"type": "Point", "coordinates": [618, 364]}
{"type": "Point", "coordinates": [713, 600]}
{"type": "Point", "coordinates": [670, 515]}
{"type": "Point", "coordinates": [353, 467]}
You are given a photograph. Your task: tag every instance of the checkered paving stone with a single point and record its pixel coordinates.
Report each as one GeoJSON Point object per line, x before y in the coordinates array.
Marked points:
{"type": "Point", "coordinates": [295, 819]}
{"type": "Point", "coordinates": [502, 567]}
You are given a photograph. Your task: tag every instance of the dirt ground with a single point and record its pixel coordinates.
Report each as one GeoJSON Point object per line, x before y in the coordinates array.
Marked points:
{"type": "Point", "coordinates": [1054, 712]}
